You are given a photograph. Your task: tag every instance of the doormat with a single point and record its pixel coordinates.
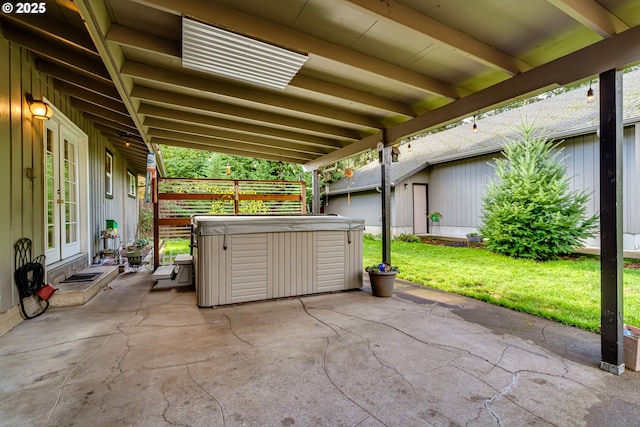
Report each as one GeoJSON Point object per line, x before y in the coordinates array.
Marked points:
{"type": "Point", "coordinates": [81, 277]}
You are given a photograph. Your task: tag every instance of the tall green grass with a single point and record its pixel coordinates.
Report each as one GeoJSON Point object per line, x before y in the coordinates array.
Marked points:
{"type": "Point", "coordinates": [567, 291]}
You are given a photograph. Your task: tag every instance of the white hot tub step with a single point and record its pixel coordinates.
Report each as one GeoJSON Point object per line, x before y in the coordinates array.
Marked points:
{"type": "Point", "coordinates": [183, 259]}
{"type": "Point", "coordinates": [163, 272]}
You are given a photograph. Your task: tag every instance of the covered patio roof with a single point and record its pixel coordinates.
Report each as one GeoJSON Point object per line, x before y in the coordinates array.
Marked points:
{"type": "Point", "coordinates": [374, 70]}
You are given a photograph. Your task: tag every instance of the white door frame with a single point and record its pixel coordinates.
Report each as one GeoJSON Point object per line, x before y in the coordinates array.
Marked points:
{"type": "Point", "coordinates": [67, 129]}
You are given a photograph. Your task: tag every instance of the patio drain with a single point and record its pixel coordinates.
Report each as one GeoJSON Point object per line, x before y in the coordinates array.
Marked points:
{"type": "Point", "coordinates": [81, 277]}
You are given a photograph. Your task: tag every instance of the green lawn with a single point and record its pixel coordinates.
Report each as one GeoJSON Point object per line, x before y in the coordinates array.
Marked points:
{"type": "Point", "coordinates": [177, 246]}
{"type": "Point", "coordinates": [566, 291]}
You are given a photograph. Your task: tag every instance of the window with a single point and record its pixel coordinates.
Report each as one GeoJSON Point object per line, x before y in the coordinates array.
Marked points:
{"type": "Point", "coordinates": [108, 179]}
{"type": "Point", "coordinates": [131, 192]}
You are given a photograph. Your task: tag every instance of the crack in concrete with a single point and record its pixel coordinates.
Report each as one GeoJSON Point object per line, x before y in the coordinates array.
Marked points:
{"type": "Point", "coordinates": [326, 373]}
{"type": "Point", "coordinates": [304, 307]}
{"type": "Point", "coordinates": [383, 363]}
{"type": "Point", "coordinates": [506, 390]}
{"type": "Point", "coordinates": [31, 350]}
{"type": "Point", "coordinates": [486, 404]}
{"type": "Point", "coordinates": [501, 393]}
{"type": "Point", "coordinates": [234, 332]}
{"type": "Point", "coordinates": [408, 335]}
{"type": "Point", "coordinates": [544, 337]}
{"type": "Point", "coordinates": [224, 422]}
{"type": "Point", "coordinates": [64, 382]}
{"type": "Point", "coordinates": [361, 422]}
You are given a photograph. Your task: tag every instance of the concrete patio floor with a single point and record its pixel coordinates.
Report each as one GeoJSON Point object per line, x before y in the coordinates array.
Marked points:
{"type": "Point", "coordinates": [136, 356]}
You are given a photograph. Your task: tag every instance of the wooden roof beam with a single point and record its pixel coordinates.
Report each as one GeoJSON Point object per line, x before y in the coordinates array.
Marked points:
{"type": "Point", "coordinates": [110, 123]}
{"type": "Point", "coordinates": [57, 53]}
{"type": "Point", "coordinates": [89, 96]}
{"type": "Point", "coordinates": [592, 15]}
{"type": "Point", "coordinates": [171, 49]}
{"type": "Point", "coordinates": [242, 127]}
{"type": "Point", "coordinates": [457, 40]}
{"type": "Point", "coordinates": [614, 52]}
{"type": "Point", "coordinates": [55, 29]}
{"type": "Point", "coordinates": [230, 147]}
{"type": "Point", "coordinates": [165, 129]}
{"type": "Point", "coordinates": [77, 78]}
{"type": "Point", "coordinates": [105, 113]}
{"type": "Point", "coordinates": [223, 90]}
{"type": "Point", "coordinates": [262, 29]}
{"type": "Point", "coordinates": [246, 114]}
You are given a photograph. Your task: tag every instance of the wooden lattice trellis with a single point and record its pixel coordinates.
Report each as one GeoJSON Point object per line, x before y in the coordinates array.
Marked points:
{"type": "Point", "coordinates": [177, 199]}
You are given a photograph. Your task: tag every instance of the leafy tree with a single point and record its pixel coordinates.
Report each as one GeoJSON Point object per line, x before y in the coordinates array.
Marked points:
{"type": "Point", "coordinates": [529, 210]}
{"type": "Point", "coordinates": [184, 162]}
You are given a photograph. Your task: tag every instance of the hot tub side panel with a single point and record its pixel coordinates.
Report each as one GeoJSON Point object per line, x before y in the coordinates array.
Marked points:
{"type": "Point", "coordinates": [210, 265]}
{"type": "Point", "coordinates": [262, 266]}
{"type": "Point", "coordinates": [291, 260]}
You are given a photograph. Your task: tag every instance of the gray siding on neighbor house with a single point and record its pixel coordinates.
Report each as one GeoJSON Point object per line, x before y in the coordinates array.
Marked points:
{"type": "Point", "coordinates": [404, 201]}
{"type": "Point", "coordinates": [456, 189]}
{"type": "Point", "coordinates": [364, 205]}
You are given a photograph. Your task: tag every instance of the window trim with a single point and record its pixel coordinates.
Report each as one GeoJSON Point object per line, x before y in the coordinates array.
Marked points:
{"type": "Point", "coordinates": [131, 188]}
{"type": "Point", "coordinates": [108, 175]}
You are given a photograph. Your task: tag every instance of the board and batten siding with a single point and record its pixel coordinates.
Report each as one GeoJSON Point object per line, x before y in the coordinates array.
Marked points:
{"type": "Point", "coordinates": [456, 189]}
{"type": "Point", "coordinates": [402, 221]}
{"type": "Point", "coordinates": [22, 170]}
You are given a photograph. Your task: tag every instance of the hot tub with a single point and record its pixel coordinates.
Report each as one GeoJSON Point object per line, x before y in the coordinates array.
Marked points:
{"type": "Point", "coordinates": [251, 258]}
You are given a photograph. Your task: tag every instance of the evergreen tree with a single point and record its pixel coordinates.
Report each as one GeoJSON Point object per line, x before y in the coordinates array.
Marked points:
{"type": "Point", "coordinates": [529, 210]}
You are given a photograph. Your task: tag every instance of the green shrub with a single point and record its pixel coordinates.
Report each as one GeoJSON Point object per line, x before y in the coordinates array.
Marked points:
{"type": "Point", "coordinates": [529, 210]}
{"type": "Point", "coordinates": [371, 237]}
{"type": "Point", "coordinates": [407, 237]}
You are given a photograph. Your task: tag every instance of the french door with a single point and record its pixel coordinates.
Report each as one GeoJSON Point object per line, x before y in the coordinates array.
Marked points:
{"type": "Point", "coordinates": [62, 210]}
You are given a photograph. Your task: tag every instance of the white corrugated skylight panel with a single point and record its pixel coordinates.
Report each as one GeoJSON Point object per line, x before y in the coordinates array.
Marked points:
{"type": "Point", "coordinates": [217, 51]}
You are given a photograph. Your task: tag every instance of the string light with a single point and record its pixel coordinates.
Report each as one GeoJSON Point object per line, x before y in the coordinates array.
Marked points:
{"type": "Point", "coordinates": [409, 147]}
{"type": "Point", "coordinates": [590, 93]}
{"type": "Point", "coordinates": [475, 126]}
{"type": "Point", "coordinates": [228, 166]}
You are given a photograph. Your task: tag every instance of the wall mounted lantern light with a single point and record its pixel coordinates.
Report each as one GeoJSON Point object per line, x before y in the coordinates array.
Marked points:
{"type": "Point", "coordinates": [40, 109]}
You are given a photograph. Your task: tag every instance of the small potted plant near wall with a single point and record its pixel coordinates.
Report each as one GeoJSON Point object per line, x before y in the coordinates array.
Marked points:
{"type": "Point", "coordinates": [382, 278]}
{"type": "Point", "coordinates": [435, 216]}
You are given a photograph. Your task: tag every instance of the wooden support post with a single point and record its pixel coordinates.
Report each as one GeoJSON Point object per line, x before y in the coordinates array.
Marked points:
{"type": "Point", "coordinates": [611, 262]}
{"type": "Point", "coordinates": [385, 181]}
{"type": "Point", "coordinates": [156, 222]}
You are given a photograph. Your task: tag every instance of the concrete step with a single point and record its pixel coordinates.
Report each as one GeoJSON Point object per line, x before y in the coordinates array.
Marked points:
{"type": "Point", "coordinates": [79, 293]}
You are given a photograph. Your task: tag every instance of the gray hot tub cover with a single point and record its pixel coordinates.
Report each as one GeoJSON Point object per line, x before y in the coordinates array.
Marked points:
{"type": "Point", "coordinates": [206, 225]}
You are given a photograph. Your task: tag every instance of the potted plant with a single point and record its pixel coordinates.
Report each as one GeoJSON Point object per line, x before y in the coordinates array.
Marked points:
{"type": "Point", "coordinates": [474, 238]}
{"type": "Point", "coordinates": [435, 216]}
{"type": "Point", "coordinates": [631, 345]}
{"type": "Point", "coordinates": [382, 278]}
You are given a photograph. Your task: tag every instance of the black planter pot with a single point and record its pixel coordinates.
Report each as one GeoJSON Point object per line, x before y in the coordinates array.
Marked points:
{"type": "Point", "coordinates": [382, 283]}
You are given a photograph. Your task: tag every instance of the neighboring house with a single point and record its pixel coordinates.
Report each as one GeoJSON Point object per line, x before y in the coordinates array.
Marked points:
{"type": "Point", "coordinates": [448, 171]}
{"type": "Point", "coordinates": [61, 179]}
